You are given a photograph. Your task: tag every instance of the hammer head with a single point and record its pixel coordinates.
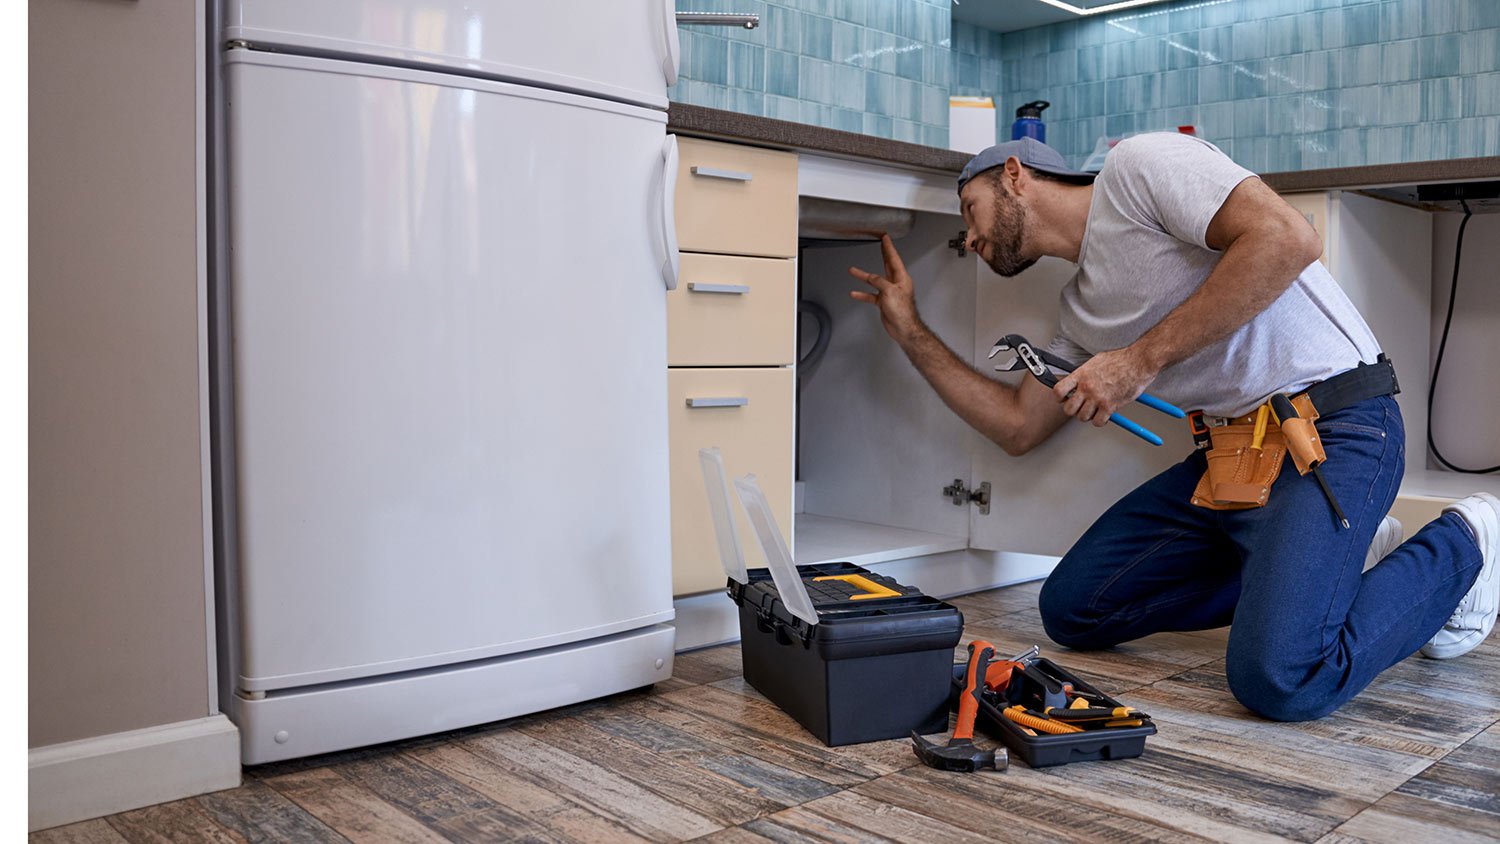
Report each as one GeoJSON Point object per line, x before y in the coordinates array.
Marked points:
{"type": "Point", "coordinates": [958, 755]}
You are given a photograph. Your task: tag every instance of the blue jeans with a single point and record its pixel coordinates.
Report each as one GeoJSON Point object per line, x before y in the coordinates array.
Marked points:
{"type": "Point", "coordinates": [1309, 630]}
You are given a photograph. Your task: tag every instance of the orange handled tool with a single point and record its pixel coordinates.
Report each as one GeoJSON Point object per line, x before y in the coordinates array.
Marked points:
{"type": "Point", "coordinates": [980, 654]}
{"type": "Point", "coordinates": [1019, 715]}
{"type": "Point", "coordinates": [1300, 436]}
{"type": "Point", "coordinates": [1094, 713]}
{"type": "Point", "coordinates": [997, 676]}
{"type": "Point", "coordinates": [960, 754]}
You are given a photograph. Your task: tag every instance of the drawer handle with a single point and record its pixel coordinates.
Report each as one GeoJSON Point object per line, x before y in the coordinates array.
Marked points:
{"type": "Point", "coordinates": [736, 401]}
{"type": "Point", "coordinates": [736, 289]}
{"type": "Point", "coordinates": [721, 173]}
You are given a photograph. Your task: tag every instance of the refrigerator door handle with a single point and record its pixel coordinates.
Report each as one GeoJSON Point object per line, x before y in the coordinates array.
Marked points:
{"type": "Point", "coordinates": [669, 267]}
{"type": "Point", "coordinates": [674, 45]}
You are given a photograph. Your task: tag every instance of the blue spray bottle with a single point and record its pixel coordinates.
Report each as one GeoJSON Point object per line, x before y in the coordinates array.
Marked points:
{"type": "Point", "coordinates": [1029, 122]}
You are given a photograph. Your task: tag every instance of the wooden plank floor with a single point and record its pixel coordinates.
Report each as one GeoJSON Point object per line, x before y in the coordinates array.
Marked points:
{"type": "Point", "coordinates": [1416, 757]}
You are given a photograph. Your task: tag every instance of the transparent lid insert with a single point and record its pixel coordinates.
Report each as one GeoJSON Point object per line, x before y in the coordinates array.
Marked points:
{"type": "Point", "coordinates": [725, 531]}
{"type": "Point", "coordinates": [778, 558]}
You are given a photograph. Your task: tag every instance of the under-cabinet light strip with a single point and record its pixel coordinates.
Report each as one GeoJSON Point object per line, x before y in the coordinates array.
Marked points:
{"type": "Point", "coordinates": [1096, 10]}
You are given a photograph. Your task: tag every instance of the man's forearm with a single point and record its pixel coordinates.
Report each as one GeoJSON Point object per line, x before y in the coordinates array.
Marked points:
{"type": "Point", "coordinates": [990, 407]}
{"type": "Point", "coordinates": [1253, 273]}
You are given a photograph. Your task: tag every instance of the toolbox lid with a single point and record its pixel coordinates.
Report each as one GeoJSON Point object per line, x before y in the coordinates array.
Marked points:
{"type": "Point", "coordinates": [778, 559]}
{"type": "Point", "coordinates": [725, 531]}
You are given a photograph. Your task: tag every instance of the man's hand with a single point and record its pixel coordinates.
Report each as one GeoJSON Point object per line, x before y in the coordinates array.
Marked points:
{"type": "Point", "coordinates": [1103, 384]}
{"type": "Point", "coordinates": [894, 294]}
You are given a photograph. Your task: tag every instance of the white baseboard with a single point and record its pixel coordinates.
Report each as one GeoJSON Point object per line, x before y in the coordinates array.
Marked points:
{"type": "Point", "coordinates": [704, 620]}
{"type": "Point", "coordinates": [711, 619]}
{"type": "Point", "coordinates": [93, 777]}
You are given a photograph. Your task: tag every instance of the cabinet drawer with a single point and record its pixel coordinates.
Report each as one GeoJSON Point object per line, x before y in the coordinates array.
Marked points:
{"type": "Point", "coordinates": [732, 311]}
{"type": "Point", "coordinates": [736, 199]}
{"type": "Point", "coordinates": [753, 428]}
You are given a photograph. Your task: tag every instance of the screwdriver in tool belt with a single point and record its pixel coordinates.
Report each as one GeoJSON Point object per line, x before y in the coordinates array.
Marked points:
{"type": "Point", "coordinates": [1286, 411]}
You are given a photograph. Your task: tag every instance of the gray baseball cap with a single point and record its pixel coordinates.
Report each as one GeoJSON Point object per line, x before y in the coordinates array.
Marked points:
{"type": "Point", "coordinates": [1030, 152]}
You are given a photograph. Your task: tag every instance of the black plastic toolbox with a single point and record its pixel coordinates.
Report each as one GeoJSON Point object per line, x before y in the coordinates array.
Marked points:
{"type": "Point", "coordinates": [1045, 749]}
{"type": "Point", "coordinates": [870, 669]}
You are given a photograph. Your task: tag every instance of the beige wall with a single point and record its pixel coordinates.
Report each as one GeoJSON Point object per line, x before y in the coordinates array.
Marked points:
{"type": "Point", "coordinates": [117, 626]}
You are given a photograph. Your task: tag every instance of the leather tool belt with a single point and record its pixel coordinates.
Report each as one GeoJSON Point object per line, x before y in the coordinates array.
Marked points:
{"type": "Point", "coordinates": [1245, 453]}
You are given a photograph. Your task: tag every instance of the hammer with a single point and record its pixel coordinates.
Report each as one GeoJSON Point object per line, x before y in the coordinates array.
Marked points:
{"type": "Point", "coordinates": [960, 754]}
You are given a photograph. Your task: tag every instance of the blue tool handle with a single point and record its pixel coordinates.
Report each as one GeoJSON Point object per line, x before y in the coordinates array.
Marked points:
{"type": "Point", "coordinates": [1135, 429]}
{"type": "Point", "coordinates": [1165, 407]}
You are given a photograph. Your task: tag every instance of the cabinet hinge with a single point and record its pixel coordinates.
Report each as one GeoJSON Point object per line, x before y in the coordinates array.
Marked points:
{"type": "Point", "coordinates": [958, 244]}
{"type": "Point", "coordinates": [959, 493]}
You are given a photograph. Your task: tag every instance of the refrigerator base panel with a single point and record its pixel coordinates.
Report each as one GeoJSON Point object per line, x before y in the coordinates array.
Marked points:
{"type": "Point", "coordinates": [338, 716]}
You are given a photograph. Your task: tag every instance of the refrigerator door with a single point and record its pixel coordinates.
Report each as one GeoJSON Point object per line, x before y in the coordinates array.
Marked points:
{"type": "Point", "coordinates": [621, 49]}
{"type": "Point", "coordinates": [450, 368]}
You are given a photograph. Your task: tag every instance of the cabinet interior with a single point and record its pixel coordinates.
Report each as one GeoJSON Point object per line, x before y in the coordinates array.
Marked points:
{"type": "Point", "coordinates": [875, 444]}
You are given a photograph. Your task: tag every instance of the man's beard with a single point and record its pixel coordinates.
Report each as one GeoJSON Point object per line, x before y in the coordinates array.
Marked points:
{"type": "Point", "coordinates": [1005, 237]}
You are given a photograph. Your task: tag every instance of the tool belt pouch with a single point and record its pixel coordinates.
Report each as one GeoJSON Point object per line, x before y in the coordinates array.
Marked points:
{"type": "Point", "coordinates": [1240, 477]}
{"type": "Point", "coordinates": [1302, 439]}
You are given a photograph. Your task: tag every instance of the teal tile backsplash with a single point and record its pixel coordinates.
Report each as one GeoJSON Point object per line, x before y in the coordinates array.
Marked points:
{"type": "Point", "coordinates": [1278, 84]}
{"type": "Point", "coordinates": [880, 67]}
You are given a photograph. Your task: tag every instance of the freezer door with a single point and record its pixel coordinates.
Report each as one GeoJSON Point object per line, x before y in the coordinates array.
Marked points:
{"type": "Point", "coordinates": [621, 49]}
{"type": "Point", "coordinates": [449, 367]}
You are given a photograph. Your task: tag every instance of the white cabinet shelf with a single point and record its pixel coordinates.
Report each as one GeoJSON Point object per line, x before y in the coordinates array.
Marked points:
{"type": "Point", "coordinates": [825, 539]}
{"type": "Point", "coordinates": [1438, 483]}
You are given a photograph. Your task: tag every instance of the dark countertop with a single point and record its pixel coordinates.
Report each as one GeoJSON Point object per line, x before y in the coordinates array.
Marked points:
{"type": "Point", "coordinates": [729, 125]}
{"type": "Point", "coordinates": [733, 126]}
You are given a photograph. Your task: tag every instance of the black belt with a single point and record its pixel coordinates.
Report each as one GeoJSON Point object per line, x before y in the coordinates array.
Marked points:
{"type": "Point", "coordinates": [1366, 381]}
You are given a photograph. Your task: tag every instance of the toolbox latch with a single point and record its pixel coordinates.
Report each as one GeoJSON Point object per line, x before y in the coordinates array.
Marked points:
{"type": "Point", "coordinates": [959, 493]}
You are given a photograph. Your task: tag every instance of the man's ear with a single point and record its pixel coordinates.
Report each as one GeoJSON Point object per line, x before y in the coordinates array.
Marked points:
{"type": "Point", "coordinates": [1015, 175]}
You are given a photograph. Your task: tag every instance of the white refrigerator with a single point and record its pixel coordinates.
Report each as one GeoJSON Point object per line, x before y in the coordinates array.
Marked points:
{"type": "Point", "coordinates": [446, 235]}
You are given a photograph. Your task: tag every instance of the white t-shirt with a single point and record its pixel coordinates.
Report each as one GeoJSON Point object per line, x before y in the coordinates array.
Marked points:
{"type": "Point", "coordinates": [1145, 251]}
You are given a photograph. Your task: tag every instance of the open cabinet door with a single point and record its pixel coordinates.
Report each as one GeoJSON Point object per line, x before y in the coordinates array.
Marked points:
{"type": "Point", "coordinates": [1042, 501]}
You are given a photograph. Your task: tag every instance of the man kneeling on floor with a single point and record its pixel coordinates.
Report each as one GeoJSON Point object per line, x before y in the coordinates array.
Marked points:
{"type": "Point", "coordinates": [1197, 280]}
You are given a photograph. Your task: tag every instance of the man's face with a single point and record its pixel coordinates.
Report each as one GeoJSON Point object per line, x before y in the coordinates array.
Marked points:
{"type": "Point", "coordinates": [997, 223]}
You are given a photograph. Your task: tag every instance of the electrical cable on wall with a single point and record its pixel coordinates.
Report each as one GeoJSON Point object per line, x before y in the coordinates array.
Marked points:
{"type": "Point", "coordinates": [1437, 367]}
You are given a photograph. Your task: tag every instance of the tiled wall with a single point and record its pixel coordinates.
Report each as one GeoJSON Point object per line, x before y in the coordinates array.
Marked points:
{"type": "Point", "coordinates": [879, 67]}
{"type": "Point", "coordinates": [1278, 84]}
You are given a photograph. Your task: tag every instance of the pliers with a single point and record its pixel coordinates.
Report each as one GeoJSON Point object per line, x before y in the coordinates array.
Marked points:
{"type": "Point", "coordinates": [1038, 361]}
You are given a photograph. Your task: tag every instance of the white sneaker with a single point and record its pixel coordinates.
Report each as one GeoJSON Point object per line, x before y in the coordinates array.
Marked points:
{"type": "Point", "coordinates": [1474, 616]}
{"type": "Point", "coordinates": [1387, 537]}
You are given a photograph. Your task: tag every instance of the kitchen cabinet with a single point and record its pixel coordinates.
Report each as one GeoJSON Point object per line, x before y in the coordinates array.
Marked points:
{"type": "Point", "coordinates": [1382, 254]}
{"type": "Point", "coordinates": [730, 325]}
{"type": "Point", "coordinates": [894, 480]}
{"type": "Point", "coordinates": [878, 447]}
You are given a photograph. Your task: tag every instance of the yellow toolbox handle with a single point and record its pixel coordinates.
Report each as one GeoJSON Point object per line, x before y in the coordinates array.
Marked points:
{"type": "Point", "coordinates": [872, 589]}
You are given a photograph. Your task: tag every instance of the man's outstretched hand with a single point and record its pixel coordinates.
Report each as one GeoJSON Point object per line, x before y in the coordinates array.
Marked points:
{"type": "Point", "coordinates": [1103, 384]}
{"type": "Point", "coordinates": [893, 294]}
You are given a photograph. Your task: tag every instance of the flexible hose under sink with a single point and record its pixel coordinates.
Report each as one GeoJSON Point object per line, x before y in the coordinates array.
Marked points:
{"type": "Point", "coordinates": [806, 363]}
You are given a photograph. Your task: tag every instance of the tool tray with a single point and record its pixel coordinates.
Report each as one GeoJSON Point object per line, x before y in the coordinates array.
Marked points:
{"type": "Point", "coordinates": [848, 628]}
{"type": "Point", "coordinates": [1045, 749]}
